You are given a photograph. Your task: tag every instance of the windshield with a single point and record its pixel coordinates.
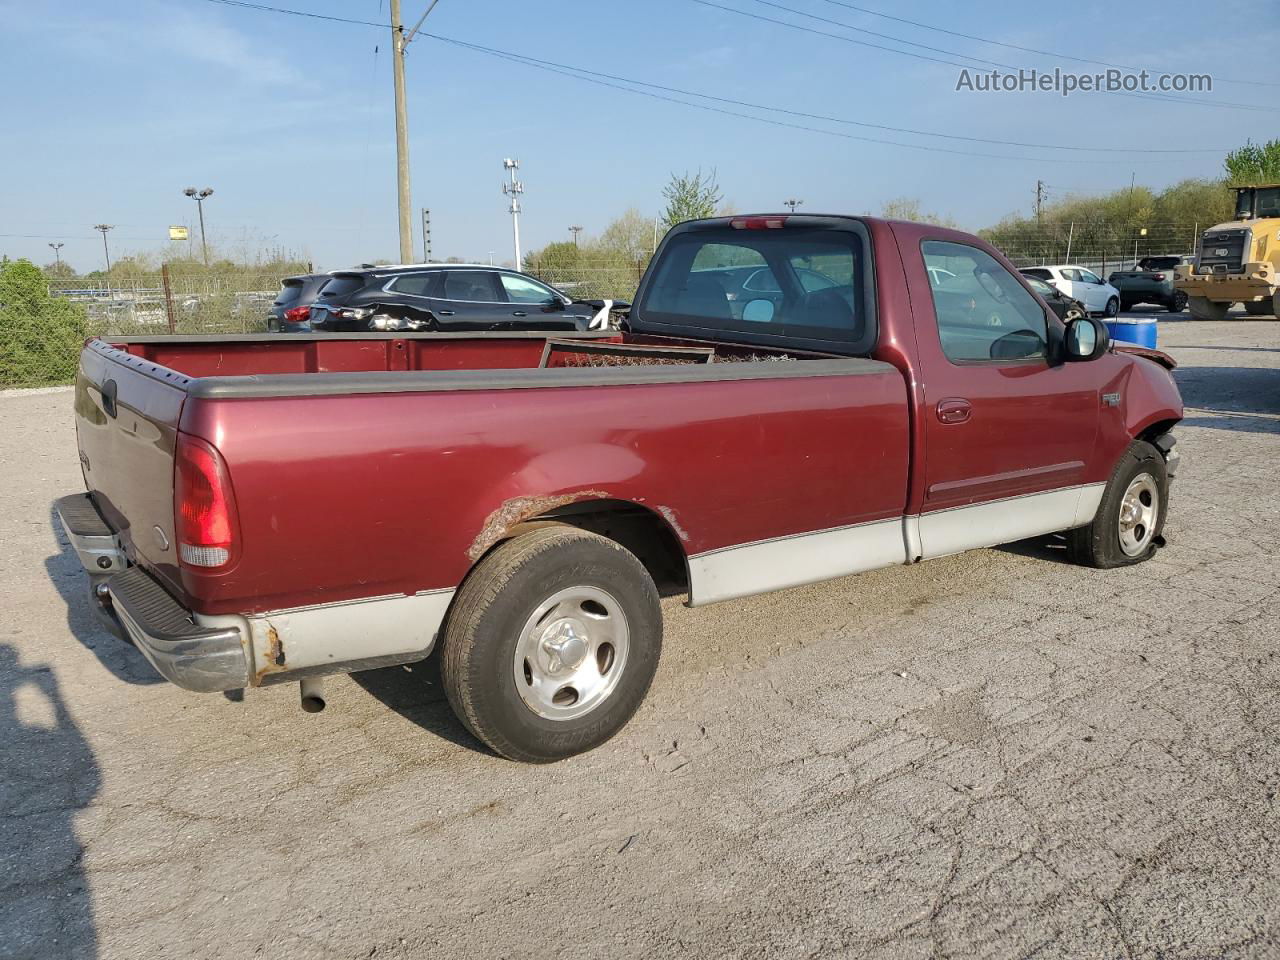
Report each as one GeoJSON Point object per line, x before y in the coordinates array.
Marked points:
{"type": "Point", "coordinates": [1159, 263]}
{"type": "Point", "coordinates": [801, 283]}
{"type": "Point", "coordinates": [1257, 202]}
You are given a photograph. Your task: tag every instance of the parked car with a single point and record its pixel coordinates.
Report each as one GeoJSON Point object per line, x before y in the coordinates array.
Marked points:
{"type": "Point", "coordinates": [1067, 308]}
{"type": "Point", "coordinates": [517, 499]}
{"type": "Point", "coordinates": [1151, 281]}
{"type": "Point", "coordinates": [422, 297]}
{"type": "Point", "coordinates": [290, 313]}
{"type": "Point", "coordinates": [1098, 296]}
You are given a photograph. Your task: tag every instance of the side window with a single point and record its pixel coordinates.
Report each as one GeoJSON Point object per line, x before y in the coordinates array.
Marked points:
{"type": "Point", "coordinates": [523, 290]}
{"type": "Point", "coordinates": [477, 286]}
{"type": "Point", "coordinates": [418, 284]}
{"type": "Point", "coordinates": [1072, 274]}
{"type": "Point", "coordinates": [984, 314]}
{"type": "Point", "coordinates": [1089, 276]}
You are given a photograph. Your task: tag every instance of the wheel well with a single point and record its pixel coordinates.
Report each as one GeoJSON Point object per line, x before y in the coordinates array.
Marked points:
{"type": "Point", "coordinates": [1156, 429]}
{"type": "Point", "coordinates": [640, 530]}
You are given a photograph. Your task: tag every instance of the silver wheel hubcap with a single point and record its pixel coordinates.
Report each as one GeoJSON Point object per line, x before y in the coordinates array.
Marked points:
{"type": "Point", "coordinates": [571, 653]}
{"type": "Point", "coordinates": [1139, 509]}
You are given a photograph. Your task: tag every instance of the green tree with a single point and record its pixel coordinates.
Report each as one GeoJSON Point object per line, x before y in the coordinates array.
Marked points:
{"type": "Point", "coordinates": [1254, 164]}
{"type": "Point", "coordinates": [40, 335]}
{"type": "Point", "coordinates": [690, 197]}
{"type": "Point", "coordinates": [59, 270]}
{"type": "Point", "coordinates": [908, 208]}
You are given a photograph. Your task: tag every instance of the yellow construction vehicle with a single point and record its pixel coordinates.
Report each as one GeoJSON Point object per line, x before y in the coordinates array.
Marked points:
{"type": "Point", "coordinates": [1239, 262]}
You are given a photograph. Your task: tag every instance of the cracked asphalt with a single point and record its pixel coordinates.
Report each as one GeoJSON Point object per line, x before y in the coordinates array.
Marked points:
{"type": "Point", "coordinates": [990, 755]}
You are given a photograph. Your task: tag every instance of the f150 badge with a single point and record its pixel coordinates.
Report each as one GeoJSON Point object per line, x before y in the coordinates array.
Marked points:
{"type": "Point", "coordinates": [1111, 399]}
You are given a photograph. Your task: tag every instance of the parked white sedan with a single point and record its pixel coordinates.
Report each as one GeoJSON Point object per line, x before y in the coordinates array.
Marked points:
{"type": "Point", "coordinates": [1096, 294]}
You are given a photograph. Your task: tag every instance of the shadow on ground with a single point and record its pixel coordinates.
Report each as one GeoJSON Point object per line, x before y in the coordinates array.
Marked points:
{"type": "Point", "coordinates": [49, 774]}
{"type": "Point", "coordinates": [414, 691]}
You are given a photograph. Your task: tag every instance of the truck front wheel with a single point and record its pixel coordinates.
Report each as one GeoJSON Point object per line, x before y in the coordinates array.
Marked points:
{"type": "Point", "coordinates": [551, 644]}
{"type": "Point", "coordinates": [1130, 518]}
{"type": "Point", "coordinates": [1202, 309]}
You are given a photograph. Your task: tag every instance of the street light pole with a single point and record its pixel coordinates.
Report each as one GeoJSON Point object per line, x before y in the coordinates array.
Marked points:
{"type": "Point", "coordinates": [514, 189]}
{"type": "Point", "coordinates": [103, 228]}
{"type": "Point", "coordinates": [575, 231]}
{"type": "Point", "coordinates": [199, 196]}
{"type": "Point", "coordinates": [402, 134]}
{"type": "Point", "coordinates": [57, 253]}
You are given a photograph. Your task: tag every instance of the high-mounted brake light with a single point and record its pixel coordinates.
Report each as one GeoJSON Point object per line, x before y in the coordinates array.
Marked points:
{"type": "Point", "coordinates": [203, 508]}
{"type": "Point", "coordinates": [757, 223]}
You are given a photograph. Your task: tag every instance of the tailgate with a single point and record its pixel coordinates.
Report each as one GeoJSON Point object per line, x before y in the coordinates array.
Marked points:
{"type": "Point", "coordinates": [126, 425]}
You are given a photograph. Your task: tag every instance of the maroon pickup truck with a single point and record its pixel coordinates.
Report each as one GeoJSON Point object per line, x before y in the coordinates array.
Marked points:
{"type": "Point", "coordinates": [793, 398]}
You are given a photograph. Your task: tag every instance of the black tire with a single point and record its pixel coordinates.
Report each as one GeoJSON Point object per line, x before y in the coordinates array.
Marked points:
{"type": "Point", "coordinates": [1178, 303]}
{"type": "Point", "coordinates": [1099, 543]}
{"type": "Point", "coordinates": [489, 616]}
{"type": "Point", "coordinates": [1112, 308]}
{"type": "Point", "coordinates": [1203, 309]}
{"type": "Point", "coordinates": [1259, 308]}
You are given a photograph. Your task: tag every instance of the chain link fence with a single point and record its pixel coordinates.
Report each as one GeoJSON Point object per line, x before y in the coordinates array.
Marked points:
{"type": "Point", "coordinates": [1102, 248]}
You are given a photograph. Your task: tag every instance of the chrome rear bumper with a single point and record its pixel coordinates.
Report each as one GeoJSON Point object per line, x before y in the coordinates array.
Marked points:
{"type": "Point", "coordinates": [200, 658]}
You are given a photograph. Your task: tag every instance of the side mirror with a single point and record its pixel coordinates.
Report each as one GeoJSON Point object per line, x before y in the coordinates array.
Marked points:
{"type": "Point", "coordinates": [1086, 339]}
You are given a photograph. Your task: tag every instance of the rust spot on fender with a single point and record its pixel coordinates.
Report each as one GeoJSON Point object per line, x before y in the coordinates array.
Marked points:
{"type": "Point", "coordinates": [275, 654]}
{"type": "Point", "coordinates": [519, 509]}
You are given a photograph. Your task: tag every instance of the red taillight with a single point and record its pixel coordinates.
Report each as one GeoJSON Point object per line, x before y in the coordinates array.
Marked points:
{"type": "Point", "coordinates": [757, 223]}
{"type": "Point", "coordinates": [1158, 276]}
{"type": "Point", "coordinates": [297, 314]}
{"type": "Point", "coordinates": [204, 509]}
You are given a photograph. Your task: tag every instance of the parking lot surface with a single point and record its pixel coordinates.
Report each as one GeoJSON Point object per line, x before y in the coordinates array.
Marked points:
{"type": "Point", "coordinates": [991, 755]}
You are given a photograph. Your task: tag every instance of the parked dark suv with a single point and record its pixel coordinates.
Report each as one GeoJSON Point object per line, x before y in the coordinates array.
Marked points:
{"type": "Point", "coordinates": [445, 296]}
{"type": "Point", "coordinates": [290, 311]}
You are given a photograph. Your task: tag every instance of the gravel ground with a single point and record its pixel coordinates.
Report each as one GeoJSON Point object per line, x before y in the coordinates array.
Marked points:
{"type": "Point", "coordinates": [995, 754]}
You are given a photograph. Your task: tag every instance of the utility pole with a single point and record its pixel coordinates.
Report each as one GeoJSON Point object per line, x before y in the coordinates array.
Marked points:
{"type": "Point", "coordinates": [103, 228]}
{"type": "Point", "coordinates": [402, 134]}
{"type": "Point", "coordinates": [575, 231]}
{"type": "Point", "coordinates": [513, 190]}
{"type": "Point", "coordinates": [57, 253]}
{"type": "Point", "coordinates": [200, 196]}
{"type": "Point", "coordinates": [426, 235]}
{"type": "Point", "coordinates": [792, 203]}
{"type": "Point", "coordinates": [1040, 185]}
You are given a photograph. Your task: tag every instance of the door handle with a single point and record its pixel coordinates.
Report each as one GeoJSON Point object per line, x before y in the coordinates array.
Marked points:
{"type": "Point", "coordinates": [518, 313]}
{"type": "Point", "coordinates": [446, 313]}
{"type": "Point", "coordinates": [954, 410]}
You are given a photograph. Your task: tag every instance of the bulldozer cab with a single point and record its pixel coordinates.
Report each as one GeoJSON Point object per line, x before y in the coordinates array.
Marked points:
{"type": "Point", "coordinates": [1258, 203]}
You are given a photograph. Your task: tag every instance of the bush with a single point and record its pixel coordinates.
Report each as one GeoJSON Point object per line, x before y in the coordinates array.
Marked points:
{"type": "Point", "coordinates": [40, 335]}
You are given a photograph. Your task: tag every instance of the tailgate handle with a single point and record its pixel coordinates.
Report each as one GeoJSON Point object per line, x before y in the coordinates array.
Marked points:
{"type": "Point", "coordinates": [109, 398]}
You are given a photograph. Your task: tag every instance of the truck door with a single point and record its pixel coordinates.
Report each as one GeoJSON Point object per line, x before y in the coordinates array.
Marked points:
{"type": "Point", "coordinates": [1006, 431]}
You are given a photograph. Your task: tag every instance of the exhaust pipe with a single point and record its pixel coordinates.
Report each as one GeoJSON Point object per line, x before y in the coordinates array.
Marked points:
{"type": "Point", "coordinates": [312, 692]}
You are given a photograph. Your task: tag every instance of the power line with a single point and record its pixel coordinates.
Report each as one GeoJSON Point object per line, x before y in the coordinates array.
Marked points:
{"type": "Point", "coordinates": [297, 13]}
{"type": "Point", "coordinates": [1014, 46]}
{"type": "Point", "coordinates": [588, 74]}
{"type": "Point", "coordinates": [1168, 98]}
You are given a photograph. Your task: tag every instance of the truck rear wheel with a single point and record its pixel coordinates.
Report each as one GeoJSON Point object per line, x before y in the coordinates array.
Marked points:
{"type": "Point", "coordinates": [1260, 308]}
{"type": "Point", "coordinates": [1178, 303]}
{"type": "Point", "coordinates": [1202, 309]}
{"type": "Point", "coordinates": [1127, 527]}
{"type": "Point", "coordinates": [551, 644]}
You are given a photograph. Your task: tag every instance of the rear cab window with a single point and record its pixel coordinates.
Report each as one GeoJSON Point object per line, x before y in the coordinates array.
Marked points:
{"type": "Point", "coordinates": [808, 285]}
{"type": "Point", "coordinates": [985, 314]}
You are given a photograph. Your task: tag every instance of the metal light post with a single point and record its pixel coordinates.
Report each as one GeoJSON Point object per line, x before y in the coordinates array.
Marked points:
{"type": "Point", "coordinates": [793, 203]}
{"type": "Point", "coordinates": [57, 253]}
{"type": "Point", "coordinates": [103, 228]}
{"type": "Point", "coordinates": [513, 190]}
{"type": "Point", "coordinates": [199, 196]}
{"type": "Point", "coordinates": [575, 231]}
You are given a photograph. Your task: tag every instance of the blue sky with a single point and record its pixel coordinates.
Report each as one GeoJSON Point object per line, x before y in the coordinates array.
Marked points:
{"type": "Point", "coordinates": [111, 109]}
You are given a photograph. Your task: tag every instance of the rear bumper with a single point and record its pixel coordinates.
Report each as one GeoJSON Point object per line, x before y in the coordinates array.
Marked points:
{"type": "Point", "coordinates": [195, 657]}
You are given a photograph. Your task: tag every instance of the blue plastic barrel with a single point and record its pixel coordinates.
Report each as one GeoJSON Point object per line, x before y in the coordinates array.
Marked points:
{"type": "Point", "coordinates": [1139, 330]}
